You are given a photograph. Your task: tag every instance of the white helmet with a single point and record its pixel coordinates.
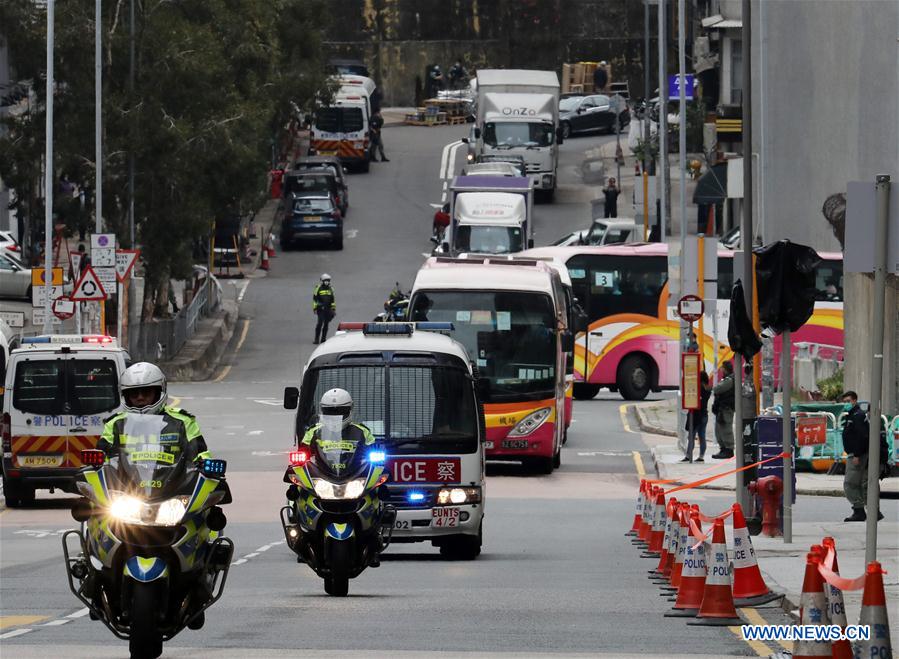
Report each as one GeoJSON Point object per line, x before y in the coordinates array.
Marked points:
{"type": "Point", "coordinates": [325, 277]}
{"type": "Point", "coordinates": [140, 376]}
{"type": "Point", "coordinates": [337, 402]}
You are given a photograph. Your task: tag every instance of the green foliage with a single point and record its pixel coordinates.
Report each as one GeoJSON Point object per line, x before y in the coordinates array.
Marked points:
{"type": "Point", "coordinates": [832, 387]}
{"type": "Point", "coordinates": [216, 84]}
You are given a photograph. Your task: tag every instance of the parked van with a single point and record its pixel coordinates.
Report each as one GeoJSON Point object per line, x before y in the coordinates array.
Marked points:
{"type": "Point", "coordinates": [59, 390]}
{"type": "Point", "coordinates": [9, 340]}
{"type": "Point", "coordinates": [415, 389]}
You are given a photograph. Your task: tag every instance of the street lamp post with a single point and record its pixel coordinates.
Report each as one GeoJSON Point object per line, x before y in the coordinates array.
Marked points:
{"type": "Point", "coordinates": [48, 175]}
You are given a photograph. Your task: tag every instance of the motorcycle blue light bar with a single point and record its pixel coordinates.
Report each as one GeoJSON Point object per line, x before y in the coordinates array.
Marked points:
{"type": "Point", "coordinates": [213, 467]}
{"type": "Point", "coordinates": [377, 457]}
{"type": "Point", "coordinates": [416, 496]}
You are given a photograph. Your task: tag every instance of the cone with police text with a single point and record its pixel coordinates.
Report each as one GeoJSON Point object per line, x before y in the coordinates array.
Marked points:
{"type": "Point", "coordinates": [812, 609]}
{"type": "Point", "coordinates": [638, 512]}
{"type": "Point", "coordinates": [674, 549]}
{"type": "Point", "coordinates": [683, 538]}
{"type": "Point", "coordinates": [657, 535]}
{"type": "Point", "coordinates": [749, 587]}
{"type": "Point", "coordinates": [666, 541]}
{"type": "Point", "coordinates": [646, 517]}
{"type": "Point", "coordinates": [874, 614]}
{"type": "Point", "coordinates": [717, 599]}
{"type": "Point", "coordinates": [692, 578]}
{"type": "Point", "coordinates": [836, 610]}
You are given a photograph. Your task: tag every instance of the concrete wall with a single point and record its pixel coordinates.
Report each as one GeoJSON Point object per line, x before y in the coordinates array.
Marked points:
{"type": "Point", "coordinates": [831, 115]}
{"type": "Point", "coordinates": [398, 39]}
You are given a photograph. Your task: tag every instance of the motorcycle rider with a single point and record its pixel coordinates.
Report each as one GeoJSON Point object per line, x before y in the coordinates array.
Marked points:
{"type": "Point", "coordinates": [143, 390]}
{"type": "Point", "coordinates": [336, 413]}
{"type": "Point", "coordinates": [441, 221]}
{"type": "Point", "coordinates": [324, 307]}
{"type": "Point", "coordinates": [393, 299]}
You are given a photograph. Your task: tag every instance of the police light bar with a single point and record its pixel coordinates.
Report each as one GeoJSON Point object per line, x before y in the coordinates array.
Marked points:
{"type": "Point", "coordinates": [69, 339]}
{"type": "Point", "coordinates": [436, 326]}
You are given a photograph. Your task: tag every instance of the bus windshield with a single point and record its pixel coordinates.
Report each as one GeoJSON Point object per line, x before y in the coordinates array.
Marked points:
{"type": "Point", "coordinates": [484, 239]}
{"type": "Point", "coordinates": [510, 335]}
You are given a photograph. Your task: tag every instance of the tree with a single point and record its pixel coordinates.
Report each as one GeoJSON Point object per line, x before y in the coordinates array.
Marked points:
{"type": "Point", "coordinates": [215, 84]}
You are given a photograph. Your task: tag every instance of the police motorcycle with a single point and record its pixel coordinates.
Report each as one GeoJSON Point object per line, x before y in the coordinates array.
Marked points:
{"type": "Point", "coordinates": [395, 307]}
{"type": "Point", "coordinates": [335, 521]}
{"type": "Point", "coordinates": [151, 557]}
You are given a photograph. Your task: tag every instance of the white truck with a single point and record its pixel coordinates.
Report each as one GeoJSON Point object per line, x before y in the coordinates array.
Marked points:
{"type": "Point", "coordinates": [342, 129]}
{"type": "Point", "coordinates": [490, 215]}
{"type": "Point", "coordinates": [518, 114]}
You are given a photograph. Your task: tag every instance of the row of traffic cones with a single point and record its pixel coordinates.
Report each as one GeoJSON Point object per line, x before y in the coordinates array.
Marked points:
{"type": "Point", "coordinates": [696, 573]}
{"type": "Point", "coordinates": [821, 603]}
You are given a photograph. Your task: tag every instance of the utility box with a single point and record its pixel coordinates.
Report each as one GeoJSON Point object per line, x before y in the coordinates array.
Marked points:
{"type": "Point", "coordinates": [770, 443]}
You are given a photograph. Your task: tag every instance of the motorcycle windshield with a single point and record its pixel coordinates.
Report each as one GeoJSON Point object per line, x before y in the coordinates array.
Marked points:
{"type": "Point", "coordinates": [335, 451]}
{"type": "Point", "coordinates": [152, 462]}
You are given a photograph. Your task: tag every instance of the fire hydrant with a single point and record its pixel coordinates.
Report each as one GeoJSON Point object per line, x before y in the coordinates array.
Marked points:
{"type": "Point", "coordinates": [769, 489]}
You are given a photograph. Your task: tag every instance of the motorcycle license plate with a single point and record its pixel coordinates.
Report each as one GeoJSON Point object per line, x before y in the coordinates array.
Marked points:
{"type": "Point", "coordinates": [32, 461]}
{"type": "Point", "coordinates": [445, 517]}
{"type": "Point", "coordinates": [515, 443]}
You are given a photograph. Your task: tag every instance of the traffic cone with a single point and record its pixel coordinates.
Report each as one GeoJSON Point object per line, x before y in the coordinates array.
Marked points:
{"type": "Point", "coordinates": [657, 535]}
{"type": "Point", "coordinates": [692, 580]}
{"type": "Point", "coordinates": [682, 540]}
{"type": "Point", "coordinates": [639, 510]}
{"type": "Point", "coordinates": [270, 246]}
{"type": "Point", "coordinates": [674, 548]}
{"type": "Point", "coordinates": [265, 264]}
{"type": "Point", "coordinates": [874, 614]}
{"type": "Point", "coordinates": [749, 587]}
{"type": "Point", "coordinates": [644, 498]}
{"type": "Point", "coordinates": [836, 610]}
{"type": "Point", "coordinates": [718, 599]}
{"type": "Point", "coordinates": [666, 542]}
{"type": "Point", "coordinates": [812, 610]}
{"type": "Point", "coordinates": [646, 524]}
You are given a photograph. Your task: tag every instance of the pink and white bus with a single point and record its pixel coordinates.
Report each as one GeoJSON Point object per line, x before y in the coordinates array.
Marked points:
{"type": "Point", "coordinates": [631, 343]}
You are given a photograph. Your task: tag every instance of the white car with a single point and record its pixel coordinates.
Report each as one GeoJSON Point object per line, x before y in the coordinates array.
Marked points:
{"type": "Point", "coordinates": [8, 243]}
{"type": "Point", "coordinates": [15, 278]}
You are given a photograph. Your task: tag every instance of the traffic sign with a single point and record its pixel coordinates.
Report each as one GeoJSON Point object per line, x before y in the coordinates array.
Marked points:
{"type": "Point", "coordinates": [690, 308]}
{"type": "Point", "coordinates": [674, 86]}
{"type": "Point", "coordinates": [107, 277]}
{"type": "Point", "coordinates": [39, 313]}
{"type": "Point", "coordinates": [38, 276]}
{"type": "Point", "coordinates": [691, 389]}
{"type": "Point", "coordinates": [63, 307]}
{"type": "Point", "coordinates": [14, 319]}
{"type": "Point", "coordinates": [75, 260]}
{"type": "Point", "coordinates": [39, 294]}
{"type": "Point", "coordinates": [89, 288]}
{"type": "Point", "coordinates": [124, 262]}
{"type": "Point", "coordinates": [103, 250]}
{"type": "Point", "coordinates": [811, 430]}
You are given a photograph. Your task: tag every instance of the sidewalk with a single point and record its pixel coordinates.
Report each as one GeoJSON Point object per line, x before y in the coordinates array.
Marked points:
{"type": "Point", "coordinates": [783, 565]}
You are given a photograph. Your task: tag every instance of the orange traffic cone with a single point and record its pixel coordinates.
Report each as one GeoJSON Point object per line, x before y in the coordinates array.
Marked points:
{"type": "Point", "coordinates": [812, 610]}
{"type": "Point", "coordinates": [717, 599]}
{"type": "Point", "coordinates": [270, 246]}
{"type": "Point", "coordinates": [874, 614]}
{"type": "Point", "coordinates": [657, 535]}
{"type": "Point", "coordinates": [836, 610]}
{"type": "Point", "coordinates": [682, 539]}
{"type": "Point", "coordinates": [265, 264]}
{"type": "Point", "coordinates": [646, 523]}
{"type": "Point", "coordinates": [666, 542]}
{"type": "Point", "coordinates": [749, 586]}
{"type": "Point", "coordinates": [692, 580]}
{"type": "Point", "coordinates": [674, 549]}
{"type": "Point", "coordinates": [644, 499]}
{"type": "Point", "coordinates": [638, 513]}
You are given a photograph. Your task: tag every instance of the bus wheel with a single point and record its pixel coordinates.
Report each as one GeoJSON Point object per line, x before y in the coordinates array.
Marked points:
{"type": "Point", "coordinates": [634, 377]}
{"type": "Point", "coordinates": [584, 391]}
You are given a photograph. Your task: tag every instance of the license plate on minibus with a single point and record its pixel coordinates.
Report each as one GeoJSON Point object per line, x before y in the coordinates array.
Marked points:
{"type": "Point", "coordinates": [32, 461]}
{"type": "Point", "coordinates": [445, 517]}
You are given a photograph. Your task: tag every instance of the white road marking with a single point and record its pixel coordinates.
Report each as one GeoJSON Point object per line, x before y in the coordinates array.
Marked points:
{"type": "Point", "coordinates": [264, 548]}
{"type": "Point", "coordinates": [39, 533]}
{"type": "Point", "coordinates": [444, 157]}
{"type": "Point", "coordinates": [80, 613]}
{"type": "Point", "coordinates": [233, 427]}
{"type": "Point", "coordinates": [14, 633]}
{"type": "Point", "coordinates": [253, 433]}
{"type": "Point", "coordinates": [269, 454]}
{"type": "Point", "coordinates": [271, 401]}
{"type": "Point", "coordinates": [252, 555]}
{"type": "Point", "coordinates": [218, 397]}
{"type": "Point", "coordinates": [239, 561]}
{"type": "Point", "coordinates": [606, 453]}
{"type": "Point", "coordinates": [351, 233]}
{"type": "Point", "coordinates": [243, 290]}
{"type": "Point", "coordinates": [57, 623]}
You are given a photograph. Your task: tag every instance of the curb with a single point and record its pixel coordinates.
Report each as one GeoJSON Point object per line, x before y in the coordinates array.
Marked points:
{"type": "Point", "coordinates": [210, 342]}
{"type": "Point", "coordinates": [644, 424]}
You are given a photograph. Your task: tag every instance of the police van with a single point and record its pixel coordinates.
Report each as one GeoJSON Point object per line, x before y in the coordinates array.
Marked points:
{"type": "Point", "coordinates": [415, 388]}
{"type": "Point", "coordinates": [59, 389]}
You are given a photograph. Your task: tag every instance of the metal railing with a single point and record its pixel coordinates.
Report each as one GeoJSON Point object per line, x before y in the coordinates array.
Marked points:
{"type": "Point", "coordinates": [162, 339]}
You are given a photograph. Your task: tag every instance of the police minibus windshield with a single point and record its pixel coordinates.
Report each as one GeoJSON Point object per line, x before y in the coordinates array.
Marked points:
{"type": "Point", "coordinates": [411, 408]}
{"type": "Point", "coordinates": [339, 119]}
{"type": "Point", "coordinates": [510, 335]}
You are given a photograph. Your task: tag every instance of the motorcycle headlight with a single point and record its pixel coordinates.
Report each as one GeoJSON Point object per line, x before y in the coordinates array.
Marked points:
{"type": "Point", "coordinates": [530, 423]}
{"type": "Point", "coordinates": [328, 490]}
{"type": "Point", "coordinates": [455, 496]}
{"type": "Point", "coordinates": [132, 510]}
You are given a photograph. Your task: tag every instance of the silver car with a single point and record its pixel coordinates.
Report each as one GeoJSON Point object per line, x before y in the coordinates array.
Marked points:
{"type": "Point", "coordinates": [15, 278]}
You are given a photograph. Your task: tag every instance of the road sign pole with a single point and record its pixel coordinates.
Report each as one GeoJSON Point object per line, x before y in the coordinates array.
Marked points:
{"type": "Point", "coordinates": [118, 304]}
{"type": "Point", "coordinates": [882, 201]}
{"type": "Point", "coordinates": [48, 168]}
{"type": "Point", "coordinates": [786, 378]}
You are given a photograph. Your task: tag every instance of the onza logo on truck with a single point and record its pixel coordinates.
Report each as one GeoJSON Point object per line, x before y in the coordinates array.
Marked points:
{"type": "Point", "coordinates": [530, 112]}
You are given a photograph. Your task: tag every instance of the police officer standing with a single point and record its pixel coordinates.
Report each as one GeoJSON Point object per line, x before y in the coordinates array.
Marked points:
{"type": "Point", "coordinates": [324, 307]}
{"type": "Point", "coordinates": [855, 443]}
